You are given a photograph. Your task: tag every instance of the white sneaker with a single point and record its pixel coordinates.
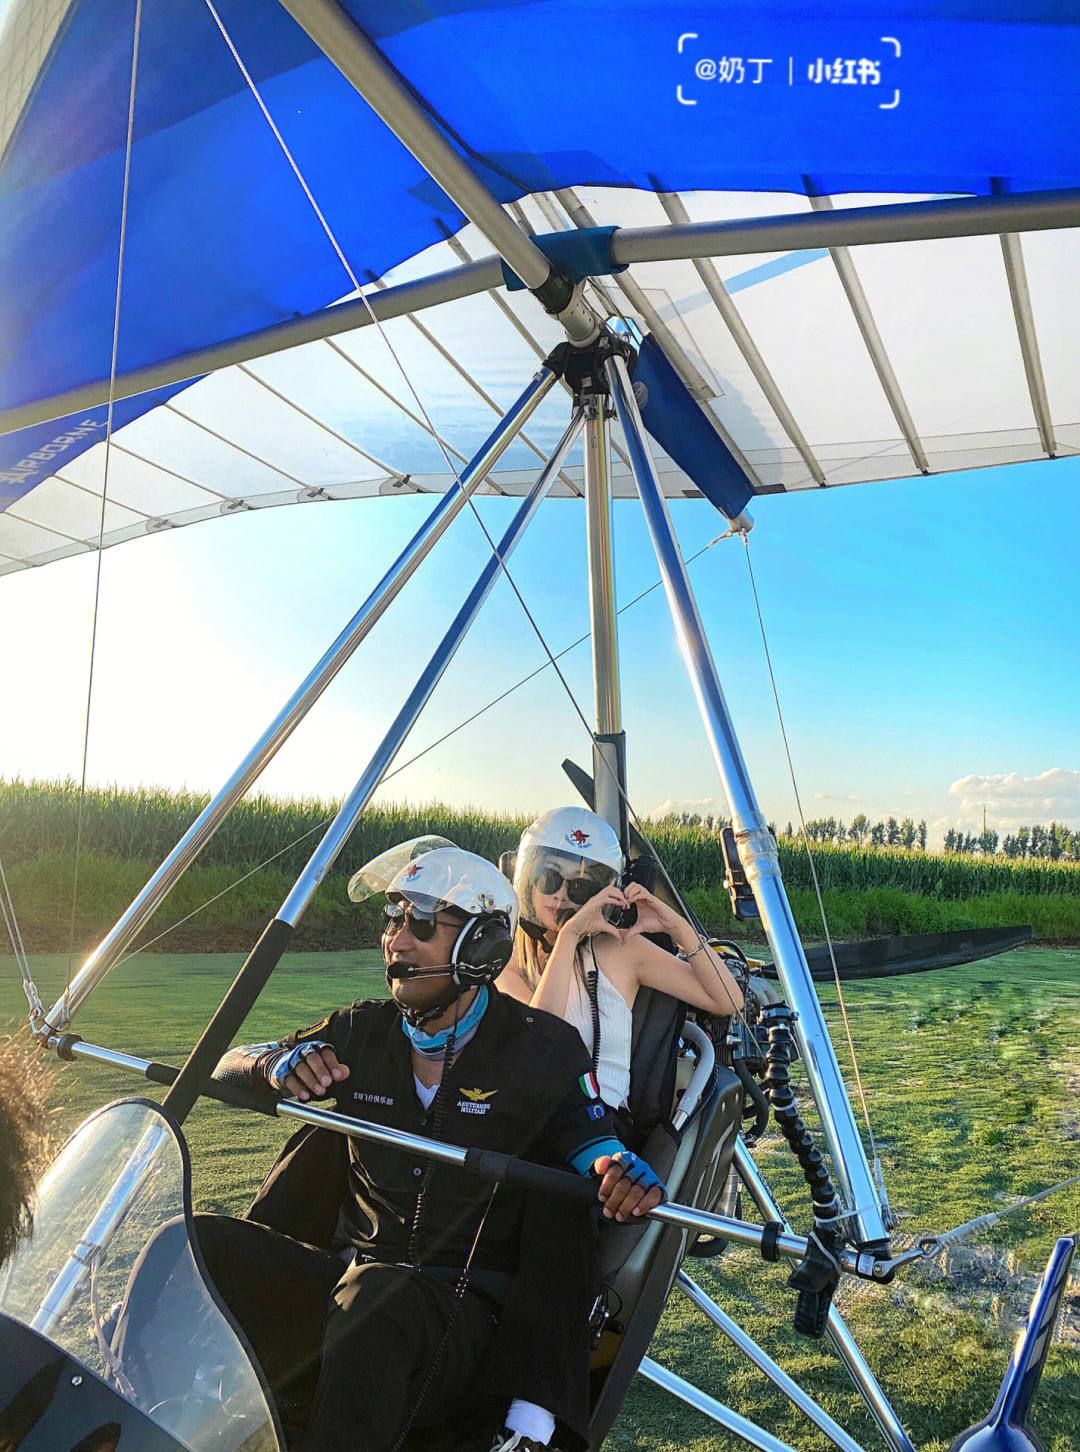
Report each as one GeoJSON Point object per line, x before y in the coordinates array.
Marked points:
{"type": "Point", "coordinates": [517, 1442]}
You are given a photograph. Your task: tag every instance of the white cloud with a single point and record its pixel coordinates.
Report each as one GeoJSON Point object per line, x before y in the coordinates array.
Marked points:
{"type": "Point", "coordinates": [1012, 800]}
{"type": "Point", "coordinates": [704, 806]}
{"type": "Point", "coordinates": [826, 797]}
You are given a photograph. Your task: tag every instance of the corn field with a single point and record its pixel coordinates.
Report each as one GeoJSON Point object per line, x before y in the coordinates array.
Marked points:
{"type": "Point", "coordinates": [141, 826]}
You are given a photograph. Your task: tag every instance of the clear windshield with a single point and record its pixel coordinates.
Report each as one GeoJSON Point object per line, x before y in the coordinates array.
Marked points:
{"type": "Point", "coordinates": [109, 1276]}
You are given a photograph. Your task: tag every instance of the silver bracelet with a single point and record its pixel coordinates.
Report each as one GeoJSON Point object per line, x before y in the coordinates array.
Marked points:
{"type": "Point", "coordinates": [692, 953]}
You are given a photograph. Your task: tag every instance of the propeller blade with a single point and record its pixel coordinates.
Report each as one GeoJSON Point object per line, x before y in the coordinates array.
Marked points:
{"type": "Point", "coordinates": [916, 953]}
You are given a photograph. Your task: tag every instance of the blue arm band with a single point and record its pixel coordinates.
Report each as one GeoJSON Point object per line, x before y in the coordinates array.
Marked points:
{"type": "Point", "coordinates": [584, 1158]}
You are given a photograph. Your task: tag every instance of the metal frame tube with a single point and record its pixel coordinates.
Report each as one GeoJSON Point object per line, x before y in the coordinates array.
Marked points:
{"type": "Point", "coordinates": [716, 1411]}
{"type": "Point", "coordinates": [393, 302]}
{"type": "Point", "coordinates": [346, 46]}
{"type": "Point", "coordinates": [104, 1225]}
{"type": "Point", "coordinates": [764, 1363]}
{"type": "Point", "coordinates": [337, 834]}
{"type": "Point", "coordinates": [292, 713]}
{"type": "Point", "coordinates": [605, 638]}
{"type": "Point", "coordinates": [607, 757]}
{"type": "Point", "coordinates": [757, 849]}
{"type": "Point", "coordinates": [843, 1342]}
{"type": "Point", "coordinates": [851, 227]}
{"type": "Point", "coordinates": [685, 1217]}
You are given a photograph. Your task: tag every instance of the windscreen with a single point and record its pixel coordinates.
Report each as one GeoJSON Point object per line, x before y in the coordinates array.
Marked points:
{"type": "Point", "coordinates": [109, 1275]}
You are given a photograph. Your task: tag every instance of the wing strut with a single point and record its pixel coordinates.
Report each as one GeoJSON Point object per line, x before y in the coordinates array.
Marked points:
{"type": "Point", "coordinates": [264, 957]}
{"type": "Point", "coordinates": [757, 848]}
{"type": "Point", "coordinates": [300, 702]}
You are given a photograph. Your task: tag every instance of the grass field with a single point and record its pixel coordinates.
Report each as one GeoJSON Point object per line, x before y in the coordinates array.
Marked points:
{"type": "Point", "coordinates": [973, 1078]}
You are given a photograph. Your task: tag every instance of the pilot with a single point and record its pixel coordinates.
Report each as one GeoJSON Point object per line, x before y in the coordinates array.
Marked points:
{"type": "Point", "coordinates": [437, 1289]}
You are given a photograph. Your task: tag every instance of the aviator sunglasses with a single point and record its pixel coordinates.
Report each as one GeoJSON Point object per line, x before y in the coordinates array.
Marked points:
{"type": "Point", "coordinates": [579, 889]}
{"type": "Point", "coordinates": [421, 924]}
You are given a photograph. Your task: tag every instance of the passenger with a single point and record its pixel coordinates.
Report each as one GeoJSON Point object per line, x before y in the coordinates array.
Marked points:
{"type": "Point", "coordinates": [572, 961]}
{"type": "Point", "coordinates": [449, 1292]}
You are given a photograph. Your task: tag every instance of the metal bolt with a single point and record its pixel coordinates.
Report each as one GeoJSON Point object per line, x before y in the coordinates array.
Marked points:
{"type": "Point", "coordinates": [76, 1381]}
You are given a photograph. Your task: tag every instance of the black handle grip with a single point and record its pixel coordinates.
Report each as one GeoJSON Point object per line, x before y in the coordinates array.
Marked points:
{"type": "Point", "coordinates": [493, 1165]}
{"type": "Point", "coordinates": [224, 1093]}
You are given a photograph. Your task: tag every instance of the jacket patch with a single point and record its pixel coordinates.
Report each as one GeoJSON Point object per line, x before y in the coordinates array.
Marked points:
{"type": "Point", "coordinates": [589, 1087]}
{"type": "Point", "coordinates": [480, 1104]}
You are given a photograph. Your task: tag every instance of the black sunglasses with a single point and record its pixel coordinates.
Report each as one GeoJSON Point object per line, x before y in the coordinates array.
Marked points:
{"type": "Point", "coordinates": [579, 889]}
{"type": "Point", "coordinates": [421, 924]}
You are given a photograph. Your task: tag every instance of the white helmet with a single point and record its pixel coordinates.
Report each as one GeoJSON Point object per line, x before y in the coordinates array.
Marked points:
{"type": "Point", "coordinates": [570, 842]}
{"type": "Point", "coordinates": [449, 877]}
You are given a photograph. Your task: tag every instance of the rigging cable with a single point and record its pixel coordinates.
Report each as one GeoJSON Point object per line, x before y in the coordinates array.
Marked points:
{"type": "Point", "coordinates": [552, 660]}
{"type": "Point", "coordinates": [11, 923]}
{"type": "Point", "coordinates": [467, 721]}
{"type": "Point", "coordinates": [931, 1244]}
{"type": "Point", "coordinates": [105, 477]}
{"type": "Point", "coordinates": [878, 1175]}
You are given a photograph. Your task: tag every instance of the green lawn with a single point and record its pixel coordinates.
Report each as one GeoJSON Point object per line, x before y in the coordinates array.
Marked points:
{"type": "Point", "coordinates": [972, 1077]}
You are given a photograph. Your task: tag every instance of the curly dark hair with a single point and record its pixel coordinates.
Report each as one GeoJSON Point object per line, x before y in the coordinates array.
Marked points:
{"type": "Point", "coordinates": [23, 1081]}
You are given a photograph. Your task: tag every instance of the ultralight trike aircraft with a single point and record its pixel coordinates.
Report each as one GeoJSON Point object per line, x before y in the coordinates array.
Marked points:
{"type": "Point", "coordinates": [216, 210]}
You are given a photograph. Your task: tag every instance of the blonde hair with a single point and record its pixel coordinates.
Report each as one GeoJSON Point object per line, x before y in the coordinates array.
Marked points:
{"type": "Point", "coordinates": [529, 958]}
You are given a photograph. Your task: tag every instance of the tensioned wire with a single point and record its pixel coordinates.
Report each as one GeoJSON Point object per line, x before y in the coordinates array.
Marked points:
{"type": "Point", "coordinates": [404, 766]}
{"type": "Point", "coordinates": [105, 477]}
{"type": "Point", "coordinates": [552, 660]}
{"type": "Point", "coordinates": [813, 874]}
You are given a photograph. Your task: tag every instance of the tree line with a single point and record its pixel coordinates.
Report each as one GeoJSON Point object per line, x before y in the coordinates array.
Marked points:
{"type": "Point", "coordinates": [1055, 843]}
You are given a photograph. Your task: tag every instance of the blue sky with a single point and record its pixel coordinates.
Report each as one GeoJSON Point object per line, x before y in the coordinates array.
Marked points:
{"type": "Point", "coordinates": [923, 634]}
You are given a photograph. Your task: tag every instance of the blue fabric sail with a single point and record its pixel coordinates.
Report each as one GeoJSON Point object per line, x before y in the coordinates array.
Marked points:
{"type": "Point", "coordinates": [894, 97]}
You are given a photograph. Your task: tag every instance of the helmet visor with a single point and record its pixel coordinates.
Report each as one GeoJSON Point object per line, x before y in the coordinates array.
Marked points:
{"type": "Point", "coordinates": [377, 875]}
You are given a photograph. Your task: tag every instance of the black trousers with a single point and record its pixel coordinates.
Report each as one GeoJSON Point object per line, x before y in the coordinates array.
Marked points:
{"type": "Point", "coordinates": [354, 1355]}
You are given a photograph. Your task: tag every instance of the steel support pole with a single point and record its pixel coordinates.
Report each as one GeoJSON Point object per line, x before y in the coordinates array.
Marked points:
{"type": "Point", "coordinates": [716, 1411]}
{"type": "Point", "coordinates": [348, 48]}
{"type": "Point", "coordinates": [278, 933]}
{"type": "Point", "coordinates": [337, 834]}
{"type": "Point", "coordinates": [450, 505]}
{"type": "Point", "coordinates": [609, 765]}
{"type": "Point", "coordinates": [765, 1364]}
{"type": "Point", "coordinates": [379, 307]}
{"type": "Point", "coordinates": [847, 227]}
{"type": "Point", "coordinates": [851, 227]}
{"type": "Point", "coordinates": [757, 848]}
{"type": "Point", "coordinates": [843, 1342]}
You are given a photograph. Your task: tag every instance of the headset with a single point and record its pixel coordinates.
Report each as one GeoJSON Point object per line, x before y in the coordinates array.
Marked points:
{"type": "Point", "coordinates": [480, 953]}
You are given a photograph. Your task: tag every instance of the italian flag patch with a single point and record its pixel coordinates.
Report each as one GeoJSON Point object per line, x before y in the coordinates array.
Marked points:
{"type": "Point", "coordinates": [589, 1087]}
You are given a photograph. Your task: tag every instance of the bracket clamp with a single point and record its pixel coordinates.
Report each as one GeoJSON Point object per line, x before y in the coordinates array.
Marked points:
{"type": "Point", "coordinates": [582, 368]}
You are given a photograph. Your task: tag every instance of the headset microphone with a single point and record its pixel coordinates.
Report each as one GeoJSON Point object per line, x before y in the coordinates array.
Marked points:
{"type": "Point", "coordinates": [410, 970]}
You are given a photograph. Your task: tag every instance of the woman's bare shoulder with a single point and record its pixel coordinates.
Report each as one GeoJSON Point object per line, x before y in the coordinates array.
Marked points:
{"type": "Point", "coordinates": [512, 982]}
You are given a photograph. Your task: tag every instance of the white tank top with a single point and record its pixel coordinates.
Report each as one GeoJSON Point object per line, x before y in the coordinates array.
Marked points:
{"type": "Point", "coordinates": [616, 1028]}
